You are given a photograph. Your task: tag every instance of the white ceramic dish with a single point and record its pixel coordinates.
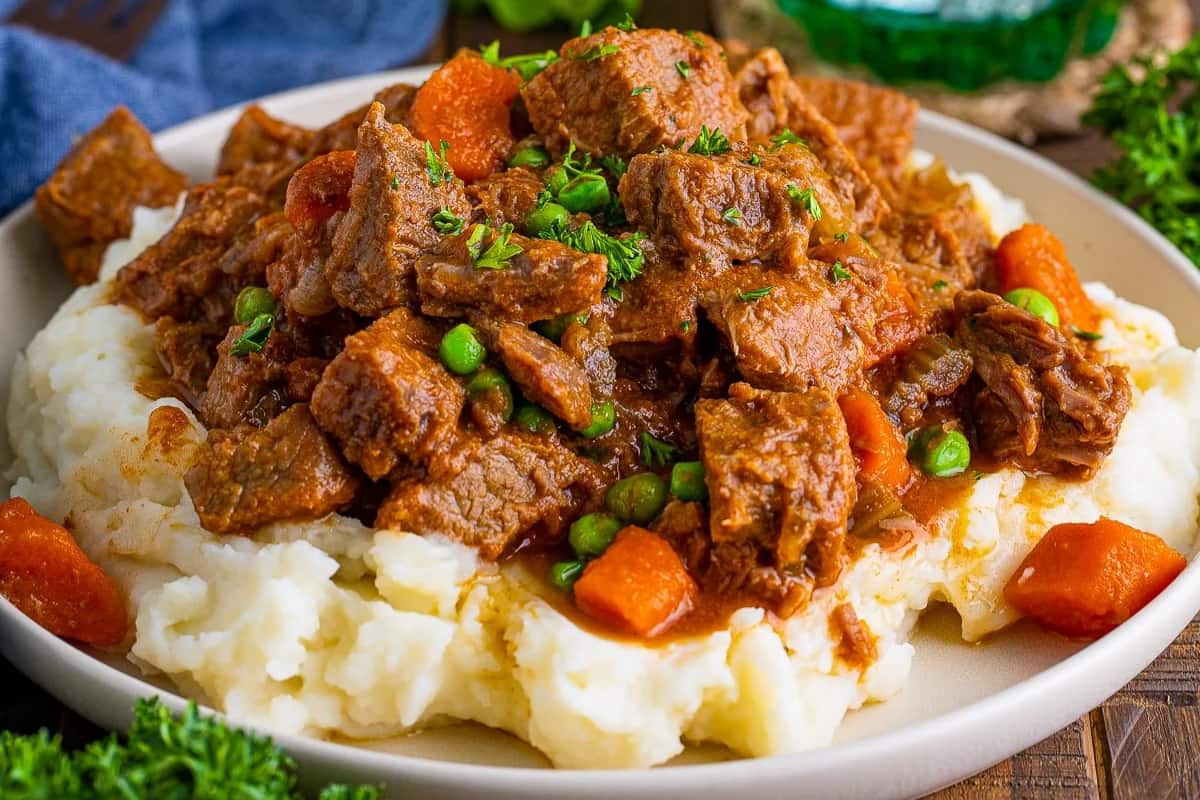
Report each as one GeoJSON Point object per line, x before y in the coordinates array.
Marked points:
{"type": "Point", "coordinates": [965, 708]}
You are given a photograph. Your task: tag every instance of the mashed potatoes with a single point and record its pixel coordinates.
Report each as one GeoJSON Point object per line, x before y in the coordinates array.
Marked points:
{"type": "Point", "coordinates": [329, 627]}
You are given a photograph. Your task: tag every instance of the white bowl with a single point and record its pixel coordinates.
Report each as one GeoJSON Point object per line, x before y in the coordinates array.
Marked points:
{"type": "Point", "coordinates": [965, 708]}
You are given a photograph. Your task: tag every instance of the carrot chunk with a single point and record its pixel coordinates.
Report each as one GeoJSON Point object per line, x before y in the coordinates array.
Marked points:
{"type": "Point", "coordinates": [466, 103]}
{"type": "Point", "coordinates": [1032, 257]}
{"type": "Point", "coordinates": [318, 190]}
{"type": "Point", "coordinates": [874, 440]}
{"type": "Point", "coordinates": [44, 573]}
{"type": "Point", "coordinates": [638, 586]}
{"type": "Point", "coordinates": [1084, 579]}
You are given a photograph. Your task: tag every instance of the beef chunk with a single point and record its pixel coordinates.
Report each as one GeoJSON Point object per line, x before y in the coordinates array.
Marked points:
{"type": "Point", "coordinates": [342, 133]}
{"type": "Point", "coordinates": [686, 201]}
{"type": "Point", "coordinates": [1044, 404]}
{"type": "Point", "coordinates": [88, 202]}
{"type": "Point", "coordinates": [507, 196]}
{"type": "Point", "coordinates": [249, 477]}
{"type": "Point", "coordinates": [544, 280]}
{"type": "Point", "coordinates": [685, 526]}
{"type": "Point", "coordinates": [258, 139]}
{"type": "Point", "coordinates": [546, 375]}
{"type": "Point", "coordinates": [493, 494]}
{"type": "Point", "coordinates": [657, 315]}
{"type": "Point", "coordinates": [932, 368]}
{"type": "Point", "coordinates": [187, 352]}
{"type": "Point", "coordinates": [385, 400]}
{"type": "Point", "coordinates": [242, 389]}
{"type": "Point", "coordinates": [181, 274]}
{"type": "Point", "coordinates": [876, 123]}
{"type": "Point", "coordinates": [763, 80]}
{"type": "Point", "coordinates": [780, 476]}
{"type": "Point", "coordinates": [588, 344]}
{"type": "Point", "coordinates": [392, 202]}
{"type": "Point", "coordinates": [591, 101]}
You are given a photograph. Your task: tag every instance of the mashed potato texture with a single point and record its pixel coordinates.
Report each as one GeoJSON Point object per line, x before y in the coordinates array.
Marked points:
{"type": "Point", "coordinates": [329, 627]}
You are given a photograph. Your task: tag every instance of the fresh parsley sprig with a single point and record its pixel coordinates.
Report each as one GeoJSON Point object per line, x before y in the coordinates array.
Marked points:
{"type": "Point", "coordinates": [255, 337]}
{"type": "Point", "coordinates": [447, 223]}
{"type": "Point", "coordinates": [806, 198]}
{"type": "Point", "coordinates": [625, 256]}
{"type": "Point", "coordinates": [500, 250]}
{"type": "Point", "coordinates": [527, 65]}
{"type": "Point", "coordinates": [436, 166]}
{"type": "Point", "coordinates": [710, 142]}
{"type": "Point", "coordinates": [656, 452]}
{"type": "Point", "coordinates": [754, 294]}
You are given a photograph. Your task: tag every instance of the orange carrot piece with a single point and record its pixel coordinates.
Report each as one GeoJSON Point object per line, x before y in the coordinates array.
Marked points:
{"type": "Point", "coordinates": [878, 446]}
{"type": "Point", "coordinates": [1032, 257]}
{"type": "Point", "coordinates": [318, 190]}
{"type": "Point", "coordinates": [1084, 579]}
{"type": "Point", "coordinates": [44, 573]}
{"type": "Point", "coordinates": [466, 103]}
{"type": "Point", "coordinates": [638, 586]}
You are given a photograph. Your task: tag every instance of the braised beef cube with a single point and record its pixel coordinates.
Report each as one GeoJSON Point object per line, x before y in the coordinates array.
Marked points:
{"type": "Point", "coordinates": [495, 494]}
{"type": "Point", "coordinates": [1045, 405]}
{"type": "Point", "coordinates": [743, 568]}
{"type": "Point", "coordinates": [243, 388]}
{"type": "Point", "coordinates": [187, 352]}
{"type": "Point", "coordinates": [657, 312]}
{"type": "Point", "coordinates": [685, 526]}
{"type": "Point", "coordinates": [342, 133]}
{"type": "Point", "coordinates": [780, 475]}
{"type": "Point", "coordinates": [545, 374]}
{"type": "Point", "coordinates": [875, 122]}
{"type": "Point", "coordinates": [385, 401]}
{"type": "Point", "coordinates": [591, 100]}
{"type": "Point", "coordinates": [588, 343]}
{"type": "Point", "coordinates": [390, 220]}
{"type": "Point", "coordinates": [542, 281]}
{"type": "Point", "coordinates": [933, 367]}
{"type": "Point", "coordinates": [507, 196]}
{"type": "Point", "coordinates": [181, 274]}
{"type": "Point", "coordinates": [248, 477]}
{"type": "Point", "coordinates": [257, 246]}
{"type": "Point", "coordinates": [721, 209]}
{"type": "Point", "coordinates": [257, 138]}
{"type": "Point", "coordinates": [763, 79]}
{"type": "Point", "coordinates": [88, 202]}
{"type": "Point", "coordinates": [301, 376]}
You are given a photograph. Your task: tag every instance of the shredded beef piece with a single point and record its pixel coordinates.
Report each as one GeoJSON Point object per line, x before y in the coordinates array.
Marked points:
{"type": "Point", "coordinates": [1044, 404]}
{"type": "Point", "coordinates": [507, 196]}
{"type": "Point", "coordinates": [591, 102]}
{"type": "Point", "coordinates": [545, 374]}
{"type": "Point", "coordinates": [88, 202]}
{"type": "Point", "coordinates": [385, 400]}
{"type": "Point", "coordinates": [248, 477]}
{"type": "Point", "coordinates": [389, 222]}
{"type": "Point", "coordinates": [494, 494]}
{"type": "Point", "coordinates": [588, 344]}
{"type": "Point", "coordinates": [933, 367]}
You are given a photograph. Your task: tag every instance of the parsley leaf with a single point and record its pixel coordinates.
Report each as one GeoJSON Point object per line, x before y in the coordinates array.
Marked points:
{"type": "Point", "coordinates": [498, 254]}
{"type": "Point", "coordinates": [626, 24]}
{"type": "Point", "coordinates": [585, 28]}
{"type": "Point", "coordinates": [656, 452]}
{"type": "Point", "coordinates": [940, 285]}
{"type": "Point", "coordinates": [527, 65]}
{"type": "Point", "coordinates": [842, 237]}
{"type": "Point", "coordinates": [695, 38]}
{"type": "Point", "coordinates": [685, 325]}
{"type": "Point", "coordinates": [732, 216]}
{"type": "Point", "coordinates": [615, 165]}
{"type": "Point", "coordinates": [754, 160]}
{"type": "Point", "coordinates": [596, 51]}
{"type": "Point", "coordinates": [838, 273]}
{"type": "Point", "coordinates": [710, 142]}
{"type": "Point", "coordinates": [1089, 336]}
{"type": "Point", "coordinates": [754, 294]}
{"type": "Point", "coordinates": [395, 182]}
{"type": "Point", "coordinates": [436, 165]}
{"type": "Point", "coordinates": [625, 256]}
{"type": "Point", "coordinates": [447, 223]}
{"type": "Point", "coordinates": [806, 198]}
{"type": "Point", "coordinates": [787, 137]}
{"type": "Point", "coordinates": [640, 90]}
{"type": "Point", "coordinates": [255, 337]}
{"type": "Point", "coordinates": [684, 69]}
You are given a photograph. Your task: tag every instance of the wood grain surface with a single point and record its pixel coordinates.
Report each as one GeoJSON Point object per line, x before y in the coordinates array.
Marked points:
{"type": "Point", "coordinates": [1143, 744]}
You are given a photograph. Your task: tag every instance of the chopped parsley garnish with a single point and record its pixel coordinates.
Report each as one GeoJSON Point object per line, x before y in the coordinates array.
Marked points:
{"type": "Point", "coordinates": [576, 167]}
{"type": "Point", "coordinates": [806, 198]}
{"type": "Point", "coordinates": [787, 137]}
{"type": "Point", "coordinates": [685, 326]}
{"type": "Point", "coordinates": [435, 163]}
{"type": "Point", "coordinates": [657, 453]}
{"type": "Point", "coordinates": [585, 28]}
{"type": "Point", "coordinates": [940, 286]}
{"type": "Point", "coordinates": [842, 237]}
{"type": "Point", "coordinates": [625, 256]}
{"type": "Point", "coordinates": [732, 216]}
{"type": "Point", "coordinates": [684, 69]}
{"type": "Point", "coordinates": [395, 182]}
{"type": "Point", "coordinates": [838, 273]}
{"type": "Point", "coordinates": [754, 160]}
{"type": "Point", "coordinates": [526, 65]}
{"type": "Point", "coordinates": [641, 90]}
{"type": "Point", "coordinates": [615, 165]}
{"type": "Point", "coordinates": [754, 294]}
{"type": "Point", "coordinates": [499, 252]}
{"type": "Point", "coordinates": [596, 51]}
{"type": "Point", "coordinates": [695, 38]}
{"type": "Point", "coordinates": [1090, 336]}
{"type": "Point", "coordinates": [255, 337]}
{"type": "Point", "coordinates": [447, 223]}
{"type": "Point", "coordinates": [710, 142]}
{"type": "Point", "coordinates": [626, 24]}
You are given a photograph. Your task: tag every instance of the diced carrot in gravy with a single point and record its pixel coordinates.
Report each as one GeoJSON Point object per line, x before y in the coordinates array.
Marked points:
{"type": "Point", "coordinates": [638, 586]}
{"type": "Point", "coordinates": [1084, 579]}
{"type": "Point", "coordinates": [466, 103]}
{"type": "Point", "coordinates": [1032, 257]}
{"type": "Point", "coordinates": [44, 573]}
{"type": "Point", "coordinates": [874, 440]}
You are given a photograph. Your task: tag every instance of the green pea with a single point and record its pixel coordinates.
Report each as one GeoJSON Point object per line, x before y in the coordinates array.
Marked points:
{"type": "Point", "coordinates": [535, 419]}
{"type": "Point", "coordinates": [604, 417]}
{"type": "Point", "coordinates": [252, 302]}
{"type": "Point", "coordinates": [1035, 303]}
{"type": "Point", "coordinates": [553, 329]}
{"type": "Point", "coordinates": [556, 179]}
{"type": "Point", "coordinates": [941, 453]}
{"type": "Point", "coordinates": [490, 382]}
{"type": "Point", "coordinates": [591, 534]}
{"type": "Point", "coordinates": [584, 193]}
{"type": "Point", "coordinates": [461, 350]}
{"type": "Point", "coordinates": [637, 499]}
{"type": "Point", "coordinates": [564, 574]}
{"type": "Point", "coordinates": [532, 157]}
{"type": "Point", "coordinates": [545, 218]}
{"type": "Point", "coordinates": [687, 481]}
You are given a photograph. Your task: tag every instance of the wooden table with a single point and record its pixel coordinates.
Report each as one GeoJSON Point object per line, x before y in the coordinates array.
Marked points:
{"type": "Point", "coordinates": [1143, 744]}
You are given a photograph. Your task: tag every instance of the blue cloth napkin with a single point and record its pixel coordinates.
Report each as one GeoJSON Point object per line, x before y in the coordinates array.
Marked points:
{"type": "Point", "coordinates": [201, 55]}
